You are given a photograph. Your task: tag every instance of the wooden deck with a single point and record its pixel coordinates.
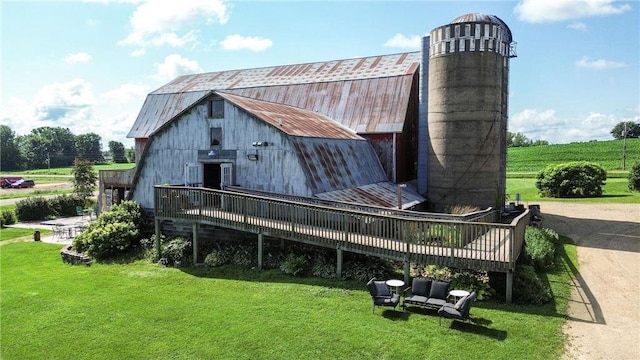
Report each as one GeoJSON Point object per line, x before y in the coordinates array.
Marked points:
{"type": "Point", "coordinates": [406, 236]}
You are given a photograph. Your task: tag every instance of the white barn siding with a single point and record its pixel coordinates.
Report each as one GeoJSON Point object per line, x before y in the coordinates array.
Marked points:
{"type": "Point", "coordinates": [277, 169]}
{"type": "Point", "coordinates": [169, 150]}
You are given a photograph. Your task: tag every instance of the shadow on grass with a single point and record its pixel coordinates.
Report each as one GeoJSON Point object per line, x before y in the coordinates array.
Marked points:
{"type": "Point", "coordinates": [478, 330]}
{"type": "Point", "coordinates": [395, 315]}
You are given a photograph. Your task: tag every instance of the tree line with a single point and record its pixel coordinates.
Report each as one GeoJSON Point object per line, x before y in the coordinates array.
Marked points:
{"type": "Point", "coordinates": [52, 147]}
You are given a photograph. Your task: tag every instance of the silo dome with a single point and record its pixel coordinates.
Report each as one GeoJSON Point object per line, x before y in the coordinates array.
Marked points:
{"type": "Point", "coordinates": [484, 18]}
{"type": "Point", "coordinates": [468, 71]}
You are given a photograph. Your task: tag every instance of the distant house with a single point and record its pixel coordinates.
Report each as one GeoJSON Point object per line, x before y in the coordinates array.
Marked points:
{"type": "Point", "coordinates": [341, 130]}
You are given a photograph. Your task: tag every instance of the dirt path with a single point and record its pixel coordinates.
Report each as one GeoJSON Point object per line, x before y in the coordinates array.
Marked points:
{"type": "Point", "coordinates": [604, 311]}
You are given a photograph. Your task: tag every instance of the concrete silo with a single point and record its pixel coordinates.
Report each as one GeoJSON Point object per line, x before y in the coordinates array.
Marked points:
{"type": "Point", "coordinates": [468, 75]}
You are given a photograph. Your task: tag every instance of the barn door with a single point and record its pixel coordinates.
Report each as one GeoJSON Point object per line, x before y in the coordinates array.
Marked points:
{"type": "Point", "coordinates": [192, 174]}
{"type": "Point", "coordinates": [226, 177]}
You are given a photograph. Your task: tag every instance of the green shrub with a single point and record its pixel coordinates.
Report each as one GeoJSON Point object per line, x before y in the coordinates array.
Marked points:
{"type": "Point", "coordinates": [295, 265]}
{"type": "Point", "coordinates": [362, 268]}
{"type": "Point", "coordinates": [573, 179]}
{"type": "Point", "coordinates": [245, 255]}
{"type": "Point", "coordinates": [473, 281]}
{"type": "Point", "coordinates": [8, 217]}
{"type": "Point", "coordinates": [218, 257]}
{"type": "Point", "coordinates": [34, 208]}
{"type": "Point", "coordinates": [539, 247]}
{"type": "Point", "coordinates": [634, 177]}
{"type": "Point", "coordinates": [323, 267]}
{"type": "Point", "coordinates": [65, 205]}
{"type": "Point", "coordinates": [176, 252]}
{"type": "Point", "coordinates": [115, 232]}
{"type": "Point", "coordinates": [528, 288]}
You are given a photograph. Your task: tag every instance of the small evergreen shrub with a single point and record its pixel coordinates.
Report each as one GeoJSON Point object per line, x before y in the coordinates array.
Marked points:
{"type": "Point", "coordinates": [295, 265]}
{"type": "Point", "coordinates": [8, 217]}
{"type": "Point", "coordinates": [218, 257]}
{"type": "Point", "coordinates": [34, 208]}
{"type": "Point", "coordinates": [65, 205]}
{"type": "Point", "coordinates": [115, 232]}
{"type": "Point", "coordinates": [322, 267]}
{"type": "Point", "coordinates": [473, 281]}
{"type": "Point", "coordinates": [528, 288]}
{"type": "Point", "coordinates": [539, 247]}
{"type": "Point", "coordinates": [634, 177]}
{"type": "Point", "coordinates": [245, 255]}
{"type": "Point", "coordinates": [572, 179]}
{"type": "Point", "coordinates": [363, 268]}
{"type": "Point", "coordinates": [176, 252]}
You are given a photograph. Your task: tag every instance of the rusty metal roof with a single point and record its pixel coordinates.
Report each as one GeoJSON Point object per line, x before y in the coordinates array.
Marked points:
{"type": "Point", "coordinates": [292, 121]}
{"type": "Point", "coordinates": [379, 194]}
{"type": "Point", "coordinates": [328, 71]}
{"type": "Point", "coordinates": [367, 95]}
{"type": "Point", "coordinates": [333, 164]}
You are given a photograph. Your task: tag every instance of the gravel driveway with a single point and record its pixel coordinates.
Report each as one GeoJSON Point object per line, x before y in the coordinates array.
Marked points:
{"type": "Point", "coordinates": [604, 311]}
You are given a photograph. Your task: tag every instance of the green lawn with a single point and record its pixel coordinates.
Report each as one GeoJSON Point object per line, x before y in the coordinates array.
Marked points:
{"type": "Point", "coordinates": [615, 191]}
{"type": "Point", "coordinates": [52, 310]}
{"type": "Point", "coordinates": [12, 233]}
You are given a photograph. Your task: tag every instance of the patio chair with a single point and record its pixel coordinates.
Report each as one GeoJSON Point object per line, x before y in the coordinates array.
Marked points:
{"type": "Point", "coordinates": [59, 232]}
{"type": "Point", "coordinates": [381, 294]}
{"type": "Point", "coordinates": [535, 218]}
{"type": "Point", "coordinates": [459, 311]}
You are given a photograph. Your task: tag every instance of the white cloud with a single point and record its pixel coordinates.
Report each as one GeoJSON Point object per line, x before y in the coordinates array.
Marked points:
{"type": "Point", "coordinates": [401, 41]}
{"type": "Point", "coordinates": [73, 105]}
{"type": "Point", "coordinates": [60, 102]}
{"type": "Point", "coordinates": [252, 43]}
{"type": "Point", "coordinates": [175, 65]}
{"type": "Point", "coordinates": [546, 125]}
{"type": "Point", "coordinates": [578, 26]}
{"type": "Point", "coordinates": [77, 58]}
{"type": "Point", "coordinates": [600, 64]}
{"type": "Point", "coordinates": [539, 11]}
{"type": "Point", "coordinates": [126, 93]}
{"type": "Point", "coordinates": [157, 23]}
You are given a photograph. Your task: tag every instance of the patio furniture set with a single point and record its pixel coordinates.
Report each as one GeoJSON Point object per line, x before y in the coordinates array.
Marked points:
{"type": "Point", "coordinates": [424, 292]}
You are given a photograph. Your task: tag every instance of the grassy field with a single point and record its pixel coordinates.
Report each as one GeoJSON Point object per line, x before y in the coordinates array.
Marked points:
{"type": "Point", "coordinates": [615, 191]}
{"type": "Point", "coordinates": [607, 154]}
{"type": "Point", "coordinates": [58, 175]}
{"type": "Point", "coordinates": [51, 310]}
{"type": "Point", "coordinates": [20, 233]}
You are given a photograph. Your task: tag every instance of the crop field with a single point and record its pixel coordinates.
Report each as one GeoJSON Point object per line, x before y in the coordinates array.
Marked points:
{"type": "Point", "coordinates": [607, 154]}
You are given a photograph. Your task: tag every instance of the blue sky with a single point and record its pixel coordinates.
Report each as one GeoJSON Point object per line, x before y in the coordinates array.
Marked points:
{"type": "Point", "coordinates": [88, 65]}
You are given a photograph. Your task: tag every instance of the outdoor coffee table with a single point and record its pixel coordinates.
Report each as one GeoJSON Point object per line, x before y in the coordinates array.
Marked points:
{"type": "Point", "coordinates": [394, 284]}
{"type": "Point", "coordinates": [458, 294]}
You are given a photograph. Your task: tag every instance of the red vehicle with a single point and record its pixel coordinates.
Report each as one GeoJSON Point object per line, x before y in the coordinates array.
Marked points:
{"type": "Point", "coordinates": [23, 184]}
{"type": "Point", "coordinates": [6, 181]}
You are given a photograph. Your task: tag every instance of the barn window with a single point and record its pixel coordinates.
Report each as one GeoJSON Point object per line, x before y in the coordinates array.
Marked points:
{"type": "Point", "coordinates": [216, 136]}
{"type": "Point", "coordinates": [215, 109]}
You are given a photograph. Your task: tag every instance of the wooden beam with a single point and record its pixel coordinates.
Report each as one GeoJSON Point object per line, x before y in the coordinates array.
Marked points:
{"type": "Point", "coordinates": [509, 294]}
{"type": "Point", "coordinates": [339, 264]}
{"type": "Point", "coordinates": [194, 228]}
{"type": "Point", "coordinates": [260, 250]}
{"type": "Point", "coordinates": [158, 241]}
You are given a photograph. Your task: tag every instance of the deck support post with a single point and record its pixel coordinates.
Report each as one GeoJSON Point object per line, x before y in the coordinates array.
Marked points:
{"type": "Point", "coordinates": [260, 249]}
{"type": "Point", "coordinates": [509, 294]}
{"type": "Point", "coordinates": [406, 271]}
{"type": "Point", "coordinates": [158, 241]}
{"type": "Point", "coordinates": [339, 264]}
{"type": "Point", "coordinates": [194, 231]}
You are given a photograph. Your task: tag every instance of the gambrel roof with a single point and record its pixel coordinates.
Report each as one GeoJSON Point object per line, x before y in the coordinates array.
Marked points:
{"type": "Point", "coordinates": [291, 120]}
{"type": "Point", "coordinates": [367, 95]}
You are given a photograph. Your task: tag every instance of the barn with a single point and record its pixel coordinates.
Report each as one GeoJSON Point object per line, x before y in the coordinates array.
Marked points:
{"type": "Point", "coordinates": [414, 130]}
{"type": "Point", "coordinates": [342, 130]}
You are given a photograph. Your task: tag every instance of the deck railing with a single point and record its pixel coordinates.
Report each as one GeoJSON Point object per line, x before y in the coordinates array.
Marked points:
{"type": "Point", "coordinates": [466, 244]}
